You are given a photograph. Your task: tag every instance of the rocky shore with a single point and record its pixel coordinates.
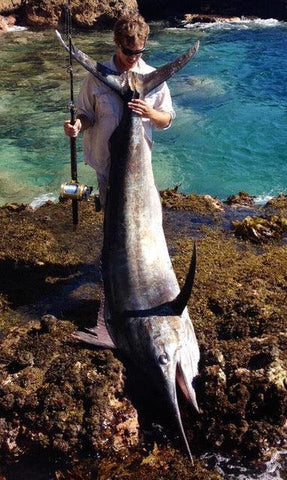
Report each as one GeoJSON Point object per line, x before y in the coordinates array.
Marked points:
{"type": "Point", "coordinates": [93, 14]}
{"type": "Point", "coordinates": [72, 412]}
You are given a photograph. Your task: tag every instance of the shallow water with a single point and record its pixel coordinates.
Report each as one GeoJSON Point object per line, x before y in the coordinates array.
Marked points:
{"type": "Point", "coordinates": [230, 131]}
{"type": "Point", "coordinates": [274, 469]}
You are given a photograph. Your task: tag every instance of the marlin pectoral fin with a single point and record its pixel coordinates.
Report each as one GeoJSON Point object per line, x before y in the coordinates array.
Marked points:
{"type": "Point", "coordinates": [93, 340]}
{"type": "Point", "coordinates": [180, 302]}
{"type": "Point", "coordinates": [157, 77]}
{"type": "Point", "coordinates": [98, 336]}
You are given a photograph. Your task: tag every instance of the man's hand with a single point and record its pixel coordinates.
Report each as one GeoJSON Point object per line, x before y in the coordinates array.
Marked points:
{"type": "Point", "coordinates": [72, 130]}
{"type": "Point", "coordinates": [141, 108]}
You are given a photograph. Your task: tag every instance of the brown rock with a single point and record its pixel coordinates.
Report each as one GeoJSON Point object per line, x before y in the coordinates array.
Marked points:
{"type": "Point", "coordinates": [40, 14]}
{"type": "Point", "coordinates": [241, 198]}
{"type": "Point", "coordinates": [204, 204]}
{"type": "Point", "coordinates": [88, 14]}
{"type": "Point", "coordinates": [258, 229]}
{"type": "Point", "coordinates": [6, 22]}
{"type": "Point", "coordinates": [9, 6]}
{"type": "Point", "coordinates": [202, 18]}
{"type": "Point", "coordinates": [64, 397]}
{"type": "Point", "coordinates": [61, 396]}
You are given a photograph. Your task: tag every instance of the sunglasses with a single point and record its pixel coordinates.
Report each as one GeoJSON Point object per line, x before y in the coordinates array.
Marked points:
{"type": "Point", "coordinates": [130, 53]}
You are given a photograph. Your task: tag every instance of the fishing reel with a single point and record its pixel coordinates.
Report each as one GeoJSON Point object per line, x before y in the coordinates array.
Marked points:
{"type": "Point", "coordinates": [75, 191]}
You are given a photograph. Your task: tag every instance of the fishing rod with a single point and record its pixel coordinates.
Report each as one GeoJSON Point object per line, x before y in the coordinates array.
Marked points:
{"type": "Point", "coordinates": [74, 169]}
{"type": "Point", "coordinates": [73, 190]}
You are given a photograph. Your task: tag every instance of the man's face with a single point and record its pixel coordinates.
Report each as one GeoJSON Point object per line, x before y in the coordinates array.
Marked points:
{"type": "Point", "coordinates": [128, 54]}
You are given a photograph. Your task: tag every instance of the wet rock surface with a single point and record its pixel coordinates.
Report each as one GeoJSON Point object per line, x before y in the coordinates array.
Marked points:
{"type": "Point", "coordinates": [58, 396]}
{"type": "Point", "coordinates": [83, 413]}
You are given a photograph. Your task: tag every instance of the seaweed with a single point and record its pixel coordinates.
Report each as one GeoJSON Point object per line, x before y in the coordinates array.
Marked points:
{"type": "Point", "coordinates": [73, 402]}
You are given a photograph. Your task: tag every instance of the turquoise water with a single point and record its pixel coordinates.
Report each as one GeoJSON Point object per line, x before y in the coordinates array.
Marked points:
{"type": "Point", "coordinates": [230, 130]}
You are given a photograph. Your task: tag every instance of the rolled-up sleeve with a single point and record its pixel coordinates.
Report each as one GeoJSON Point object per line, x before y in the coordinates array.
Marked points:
{"type": "Point", "coordinates": [86, 99]}
{"type": "Point", "coordinates": [163, 102]}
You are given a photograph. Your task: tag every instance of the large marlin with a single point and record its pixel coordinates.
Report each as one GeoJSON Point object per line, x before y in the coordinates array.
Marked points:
{"type": "Point", "coordinates": [145, 312]}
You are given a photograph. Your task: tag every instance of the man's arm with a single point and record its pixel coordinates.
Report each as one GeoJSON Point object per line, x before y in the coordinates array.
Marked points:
{"type": "Point", "coordinates": [82, 123]}
{"type": "Point", "coordinates": [158, 118]}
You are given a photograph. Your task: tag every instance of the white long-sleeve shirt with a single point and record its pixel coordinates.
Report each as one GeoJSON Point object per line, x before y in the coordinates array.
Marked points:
{"type": "Point", "coordinates": [103, 107]}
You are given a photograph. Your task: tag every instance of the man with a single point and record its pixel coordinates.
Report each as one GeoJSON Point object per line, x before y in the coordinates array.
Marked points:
{"type": "Point", "coordinates": [100, 109]}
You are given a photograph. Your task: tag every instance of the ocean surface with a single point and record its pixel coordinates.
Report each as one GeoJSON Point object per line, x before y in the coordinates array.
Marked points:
{"type": "Point", "coordinates": [230, 133]}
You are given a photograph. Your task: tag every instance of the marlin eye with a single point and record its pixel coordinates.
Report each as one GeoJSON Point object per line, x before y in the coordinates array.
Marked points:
{"type": "Point", "coordinates": [163, 359]}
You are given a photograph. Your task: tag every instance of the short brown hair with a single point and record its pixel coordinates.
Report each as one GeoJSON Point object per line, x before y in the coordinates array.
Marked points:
{"type": "Point", "coordinates": [131, 28]}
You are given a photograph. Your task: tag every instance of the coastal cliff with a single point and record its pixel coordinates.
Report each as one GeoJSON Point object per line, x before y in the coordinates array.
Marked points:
{"type": "Point", "coordinates": [102, 14]}
{"type": "Point", "coordinates": [162, 9]}
{"type": "Point", "coordinates": [50, 13]}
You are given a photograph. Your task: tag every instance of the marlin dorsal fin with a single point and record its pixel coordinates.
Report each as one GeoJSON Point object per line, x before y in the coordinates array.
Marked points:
{"type": "Point", "coordinates": [174, 307]}
{"type": "Point", "coordinates": [180, 302]}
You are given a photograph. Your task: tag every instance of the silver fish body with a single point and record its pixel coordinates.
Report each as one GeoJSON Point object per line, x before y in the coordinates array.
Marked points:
{"type": "Point", "coordinates": [145, 312]}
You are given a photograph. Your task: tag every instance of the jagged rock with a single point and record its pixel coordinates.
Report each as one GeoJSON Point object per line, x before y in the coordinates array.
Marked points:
{"type": "Point", "coordinates": [201, 18]}
{"type": "Point", "coordinates": [57, 395]}
{"type": "Point", "coordinates": [277, 203]}
{"type": "Point", "coordinates": [175, 200]}
{"type": "Point", "coordinates": [96, 13]}
{"type": "Point", "coordinates": [7, 22]}
{"type": "Point", "coordinates": [258, 229]}
{"type": "Point", "coordinates": [85, 14]}
{"type": "Point", "coordinates": [9, 6]}
{"type": "Point", "coordinates": [61, 397]}
{"type": "Point", "coordinates": [222, 8]}
{"type": "Point", "coordinates": [241, 198]}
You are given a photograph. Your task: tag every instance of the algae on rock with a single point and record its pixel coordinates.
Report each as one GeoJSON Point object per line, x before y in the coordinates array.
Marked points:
{"type": "Point", "coordinates": [59, 396]}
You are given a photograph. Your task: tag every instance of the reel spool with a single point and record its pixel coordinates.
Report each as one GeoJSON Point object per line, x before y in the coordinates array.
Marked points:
{"type": "Point", "coordinates": [74, 191]}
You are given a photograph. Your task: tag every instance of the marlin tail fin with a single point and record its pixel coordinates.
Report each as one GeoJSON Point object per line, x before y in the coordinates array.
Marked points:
{"type": "Point", "coordinates": [142, 84]}
{"type": "Point", "coordinates": [109, 77]}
